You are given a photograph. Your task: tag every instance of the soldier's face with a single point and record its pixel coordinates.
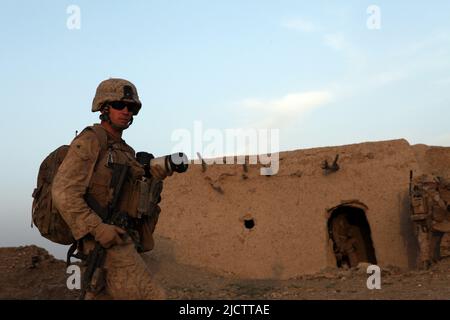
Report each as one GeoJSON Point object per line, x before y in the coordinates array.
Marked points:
{"type": "Point", "coordinates": [120, 118]}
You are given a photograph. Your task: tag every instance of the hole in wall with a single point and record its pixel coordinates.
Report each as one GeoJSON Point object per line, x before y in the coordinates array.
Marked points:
{"type": "Point", "coordinates": [249, 223]}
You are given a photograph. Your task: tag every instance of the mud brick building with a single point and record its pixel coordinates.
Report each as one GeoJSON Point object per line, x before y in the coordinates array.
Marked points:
{"type": "Point", "coordinates": [231, 220]}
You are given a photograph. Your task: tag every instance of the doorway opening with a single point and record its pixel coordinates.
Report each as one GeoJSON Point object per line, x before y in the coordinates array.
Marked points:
{"type": "Point", "coordinates": [349, 230]}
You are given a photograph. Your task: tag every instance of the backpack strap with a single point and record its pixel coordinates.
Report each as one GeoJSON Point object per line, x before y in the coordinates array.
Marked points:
{"type": "Point", "coordinates": [100, 133]}
{"type": "Point", "coordinates": [102, 137]}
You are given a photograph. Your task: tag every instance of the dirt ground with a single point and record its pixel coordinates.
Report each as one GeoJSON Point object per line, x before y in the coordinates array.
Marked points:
{"type": "Point", "coordinates": [31, 273]}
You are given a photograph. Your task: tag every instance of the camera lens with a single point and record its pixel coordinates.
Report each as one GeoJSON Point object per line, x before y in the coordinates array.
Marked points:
{"type": "Point", "coordinates": [178, 162]}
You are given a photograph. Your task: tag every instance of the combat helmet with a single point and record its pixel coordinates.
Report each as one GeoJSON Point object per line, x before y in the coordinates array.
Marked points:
{"type": "Point", "coordinates": [115, 89]}
{"type": "Point", "coordinates": [428, 179]}
{"type": "Point", "coordinates": [427, 182]}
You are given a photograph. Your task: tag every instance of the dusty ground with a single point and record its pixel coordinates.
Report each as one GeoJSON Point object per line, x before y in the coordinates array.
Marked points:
{"type": "Point", "coordinates": [20, 278]}
{"type": "Point", "coordinates": [31, 273]}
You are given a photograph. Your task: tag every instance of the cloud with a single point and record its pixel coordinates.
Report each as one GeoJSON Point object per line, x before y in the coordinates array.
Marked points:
{"type": "Point", "coordinates": [335, 41]}
{"type": "Point", "coordinates": [436, 38]}
{"type": "Point", "coordinates": [299, 25]}
{"type": "Point", "coordinates": [355, 57]}
{"type": "Point", "coordinates": [278, 113]}
{"type": "Point", "coordinates": [388, 77]}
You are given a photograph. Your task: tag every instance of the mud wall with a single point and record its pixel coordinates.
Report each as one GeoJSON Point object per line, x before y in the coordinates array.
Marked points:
{"type": "Point", "coordinates": [204, 214]}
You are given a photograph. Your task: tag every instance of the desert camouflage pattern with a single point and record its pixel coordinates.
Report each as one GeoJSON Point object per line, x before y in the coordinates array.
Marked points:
{"type": "Point", "coordinates": [115, 89]}
{"type": "Point", "coordinates": [430, 199]}
{"type": "Point", "coordinates": [84, 171]}
{"type": "Point", "coordinates": [125, 276]}
{"type": "Point", "coordinates": [349, 243]}
{"type": "Point", "coordinates": [71, 183]}
{"type": "Point", "coordinates": [344, 241]}
{"type": "Point", "coordinates": [44, 214]}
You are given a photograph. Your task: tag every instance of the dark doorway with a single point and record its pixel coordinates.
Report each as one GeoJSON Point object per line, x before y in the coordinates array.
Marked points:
{"type": "Point", "coordinates": [350, 232]}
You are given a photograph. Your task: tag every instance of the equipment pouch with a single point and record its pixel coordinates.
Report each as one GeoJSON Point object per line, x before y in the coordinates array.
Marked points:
{"type": "Point", "coordinates": [419, 205]}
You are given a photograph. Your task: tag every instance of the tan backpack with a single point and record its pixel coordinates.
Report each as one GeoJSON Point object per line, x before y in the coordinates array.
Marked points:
{"type": "Point", "coordinates": [45, 216]}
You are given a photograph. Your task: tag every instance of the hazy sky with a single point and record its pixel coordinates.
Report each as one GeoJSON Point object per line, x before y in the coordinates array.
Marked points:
{"type": "Point", "coordinates": [312, 69]}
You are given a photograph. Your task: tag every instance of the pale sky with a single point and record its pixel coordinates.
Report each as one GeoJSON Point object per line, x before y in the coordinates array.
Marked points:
{"type": "Point", "coordinates": [313, 70]}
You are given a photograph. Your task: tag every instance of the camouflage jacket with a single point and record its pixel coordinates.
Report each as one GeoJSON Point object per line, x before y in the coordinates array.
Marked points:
{"type": "Point", "coordinates": [85, 171]}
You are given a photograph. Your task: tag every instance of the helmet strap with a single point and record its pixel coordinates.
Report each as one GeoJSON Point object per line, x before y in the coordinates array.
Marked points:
{"type": "Point", "coordinates": [131, 121]}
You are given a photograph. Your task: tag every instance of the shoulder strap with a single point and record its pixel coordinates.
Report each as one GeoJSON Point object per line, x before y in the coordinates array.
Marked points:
{"type": "Point", "coordinates": [102, 138]}
{"type": "Point", "coordinates": [101, 135]}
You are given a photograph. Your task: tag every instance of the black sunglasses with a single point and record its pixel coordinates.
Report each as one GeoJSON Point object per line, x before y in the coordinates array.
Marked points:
{"type": "Point", "coordinates": [120, 105]}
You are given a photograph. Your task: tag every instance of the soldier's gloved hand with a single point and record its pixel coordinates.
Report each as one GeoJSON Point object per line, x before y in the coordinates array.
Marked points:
{"type": "Point", "coordinates": [158, 172]}
{"type": "Point", "coordinates": [108, 235]}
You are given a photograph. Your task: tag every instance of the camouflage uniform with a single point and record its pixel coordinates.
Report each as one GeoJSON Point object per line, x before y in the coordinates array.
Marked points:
{"type": "Point", "coordinates": [430, 214]}
{"type": "Point", "coordinates": [84, 171]}
{"type": "Point", "coordinates": [347, 240]}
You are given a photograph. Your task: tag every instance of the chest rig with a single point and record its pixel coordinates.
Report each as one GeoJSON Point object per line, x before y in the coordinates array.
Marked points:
{"type": "Point", "coordinates": [139, 194]}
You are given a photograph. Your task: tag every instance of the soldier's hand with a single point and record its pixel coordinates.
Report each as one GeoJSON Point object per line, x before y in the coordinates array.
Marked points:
{"type": "Point", "coordinates": [108, 235]}
{"type": "Point", "coordinates": [158, 172]}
